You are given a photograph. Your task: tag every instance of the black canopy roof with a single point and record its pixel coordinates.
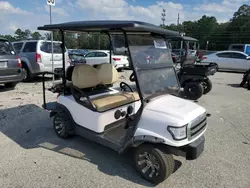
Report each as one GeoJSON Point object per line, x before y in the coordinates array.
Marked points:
{"type": "Point", "coordinates": [106, 25]}
{"type": "Point", "coordinates": [186, 38]}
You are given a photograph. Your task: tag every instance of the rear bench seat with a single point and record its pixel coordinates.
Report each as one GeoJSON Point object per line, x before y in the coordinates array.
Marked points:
{"type": "Point", "coordinates": [86, 76]}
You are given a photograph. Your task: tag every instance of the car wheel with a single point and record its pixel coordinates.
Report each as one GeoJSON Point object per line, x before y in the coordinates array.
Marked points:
{"type": "Point", "coordinates": [248, 85]}
{"type": "Point", "coordinates": [63, 125]}
{"type": "Point", "coordinates": [11, 85]}
{"type": "Point", "coordinates": [193, 90]}
{"type": "Point", "coordinates": [217, 68]}
{"type": "Point", "coordinates": [153, 164]}
{"type": "Point", "coordinates": [207, 86]}
{"type": "Point", "coordinates": [26, 74]}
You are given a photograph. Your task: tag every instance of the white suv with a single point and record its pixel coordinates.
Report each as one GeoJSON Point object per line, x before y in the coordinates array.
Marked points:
{"type": "Point", "coordinates": [36, 57]}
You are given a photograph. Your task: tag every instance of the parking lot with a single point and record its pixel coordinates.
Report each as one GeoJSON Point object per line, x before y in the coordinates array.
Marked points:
{"type": "Point", "coordinates": [33, 156]}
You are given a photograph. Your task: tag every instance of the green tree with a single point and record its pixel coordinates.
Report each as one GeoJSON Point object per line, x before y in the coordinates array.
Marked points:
{"type": "Point", "coordinates": [36, 35]}
{"type": "Point", "coordinates": [28, 33]}
{"type": "Point", "coordinates": [8, 37]}
{"type": "Point", "coordinates": [20, 35]}
{"type": "Point", "coordinates": [239, 27]}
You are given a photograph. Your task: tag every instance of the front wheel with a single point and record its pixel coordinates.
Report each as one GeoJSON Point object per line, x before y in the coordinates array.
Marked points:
{"type": "Point", "coordinates": [153, 164]}
{"type": "Point", "coordinates": [193, 90]}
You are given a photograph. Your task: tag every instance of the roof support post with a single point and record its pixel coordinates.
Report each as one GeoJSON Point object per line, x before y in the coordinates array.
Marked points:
{"type": "Point", "coordinates": [110, 47]}
{"type": "Point", "coordinates": [63, 55]}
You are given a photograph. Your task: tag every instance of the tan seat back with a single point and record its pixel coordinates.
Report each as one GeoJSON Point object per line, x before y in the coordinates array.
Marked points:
{"type": "Point", "coordinates": [85, 76]}
{"type": "Point", "coordinates": [107, 74]}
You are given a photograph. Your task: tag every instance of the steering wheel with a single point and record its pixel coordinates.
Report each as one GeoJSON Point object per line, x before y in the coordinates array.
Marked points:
{"type": "Point", "coordinates": [123, 86]}
{"type": "Point", "coordinates": [132, 77]}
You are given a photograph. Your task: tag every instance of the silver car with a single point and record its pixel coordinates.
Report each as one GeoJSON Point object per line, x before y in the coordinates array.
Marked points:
{"type": "Point", "coordinates": [36, 57]}
{"type": "Point", "coordinates": [229, 60]}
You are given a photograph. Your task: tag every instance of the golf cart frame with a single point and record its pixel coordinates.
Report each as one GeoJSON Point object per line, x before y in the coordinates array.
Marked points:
{"type": "Point", "coordinates": [151, 142]}
{"type": "Point", "coordinates": [193, 77]}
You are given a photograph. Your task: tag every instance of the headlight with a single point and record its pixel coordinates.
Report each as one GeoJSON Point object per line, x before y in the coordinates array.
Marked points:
{"type": "Point", "coordinates": [178, 133]}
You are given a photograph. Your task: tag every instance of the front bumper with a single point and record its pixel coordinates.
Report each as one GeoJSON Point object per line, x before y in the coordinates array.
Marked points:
{"type": "Point", "coordinates": [191, 151]}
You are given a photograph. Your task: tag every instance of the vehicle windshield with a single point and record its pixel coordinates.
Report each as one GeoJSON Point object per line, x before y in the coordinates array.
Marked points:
{"type": "Point", "coordinates": [77, 57]}
{"type": "Point", "coordinates": [6, 48]}
{"type": "Point", "coordinates": [153, 64]}
{"type": "Point", "coordinates": [183, 48]}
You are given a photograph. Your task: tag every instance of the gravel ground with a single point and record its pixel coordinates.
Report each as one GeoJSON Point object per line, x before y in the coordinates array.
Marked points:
{"type": "Point", "coordinates": [31, 155]}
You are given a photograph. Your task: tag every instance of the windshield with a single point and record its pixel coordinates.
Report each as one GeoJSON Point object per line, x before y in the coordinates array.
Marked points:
{"type": "Point", "coordinates": [153, 64]}
{"type": "Point", "coordinates": [6, 48]}
{"type": "Point", "coordinates": [77, 57]}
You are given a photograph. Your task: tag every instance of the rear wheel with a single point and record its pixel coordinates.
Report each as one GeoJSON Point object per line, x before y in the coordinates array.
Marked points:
{"type": "Point", "coordinates": [207, 86]}
{"type": "Point", "coordinates": [193, 90]}
{"type": "Point", "coordinates": [27, 76]}
{"type": "Point", "coordinates": [11, 85]}
{"type": "Point", "coordinates": [153, 164]}
{"type": "Point", "coordinates": [63, 125]}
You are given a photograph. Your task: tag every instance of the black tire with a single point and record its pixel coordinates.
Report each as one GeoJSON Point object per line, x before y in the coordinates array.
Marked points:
{"type": "Point", "coordinates": [248, 85]}
{"type": "Point", "coordinates": [217, 68]}
{"type": "Point", "coordinates": [27, 76]}
{"type": "Point", "coordinates": [119, 70]}
{"type": "Point", "coordinates": [63, 125]}
{"type": "Point", "coordinates": [207, 86]}
{"type": "Point", "coordinates": [242, 84]}
{"type": "Point", "coordinates": [11, 85]}
{"type": "Point", "coordinates": [153, 164]}
{"type": "Point", "coordinates": [193, 90]}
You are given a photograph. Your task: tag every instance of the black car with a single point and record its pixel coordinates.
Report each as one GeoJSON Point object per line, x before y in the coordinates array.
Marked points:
{"type": "Point", "coordinates": [10, 65]}
{"type": "Point", "coordinates": [77, 56]}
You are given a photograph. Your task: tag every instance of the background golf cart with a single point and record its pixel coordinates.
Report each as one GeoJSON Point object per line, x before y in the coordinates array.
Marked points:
{"type": "Point", "coordinates": [193, 77]}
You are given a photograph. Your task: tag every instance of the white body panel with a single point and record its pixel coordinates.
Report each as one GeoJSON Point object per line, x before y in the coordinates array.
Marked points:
{"type": "Point", "coordinates": [168, 110]}
{"type": "Point", "coordinates": [89, 119]}
{"type": "Point", "coordinates": [240, 64]}
{"type": "Point", "coordinates": [157, 115]}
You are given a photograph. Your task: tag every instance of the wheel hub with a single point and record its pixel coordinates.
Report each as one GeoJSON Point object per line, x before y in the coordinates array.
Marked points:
{"type": "Point", "coordinates": [24, 73]}
{"type": "Point", "coordinates": [59, 126]}
{"type": "Point", "coordinates": [150, 165]}
{"type": "Point", "coordinates": [192, 90]}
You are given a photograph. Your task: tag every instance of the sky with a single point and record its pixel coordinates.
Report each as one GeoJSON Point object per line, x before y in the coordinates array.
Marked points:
{"type": "Point", "coordinates": [29, 14]}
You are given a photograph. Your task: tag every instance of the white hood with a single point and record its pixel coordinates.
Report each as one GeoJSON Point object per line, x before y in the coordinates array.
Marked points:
{"type": "Point", "coordinates": [176, 107]}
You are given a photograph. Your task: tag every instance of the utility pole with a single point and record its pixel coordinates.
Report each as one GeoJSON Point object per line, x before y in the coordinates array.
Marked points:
{"type": "Point", "coordinates": [51, 3]}
{"type": "Point", "coordinates": [163, 14]}
{"type": "Point", "coordinates": [178, 19]}
{"type": "Point", "coordinates": [178, 22]}
{"type": "Point", "coordinates": [52, 47]}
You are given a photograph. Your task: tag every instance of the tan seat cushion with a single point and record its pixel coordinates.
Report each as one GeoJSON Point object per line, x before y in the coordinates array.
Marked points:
{"type": "Point", "coordinates": [107, 102]}
{"type": "Point", "coordinates": [85, 76]}
{"type": "Point", "coordinates": [107, 73]}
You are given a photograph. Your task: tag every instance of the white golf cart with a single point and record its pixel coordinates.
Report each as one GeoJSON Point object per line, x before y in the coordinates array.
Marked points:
{"type": "Point", "coordinates": [152, 120]}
